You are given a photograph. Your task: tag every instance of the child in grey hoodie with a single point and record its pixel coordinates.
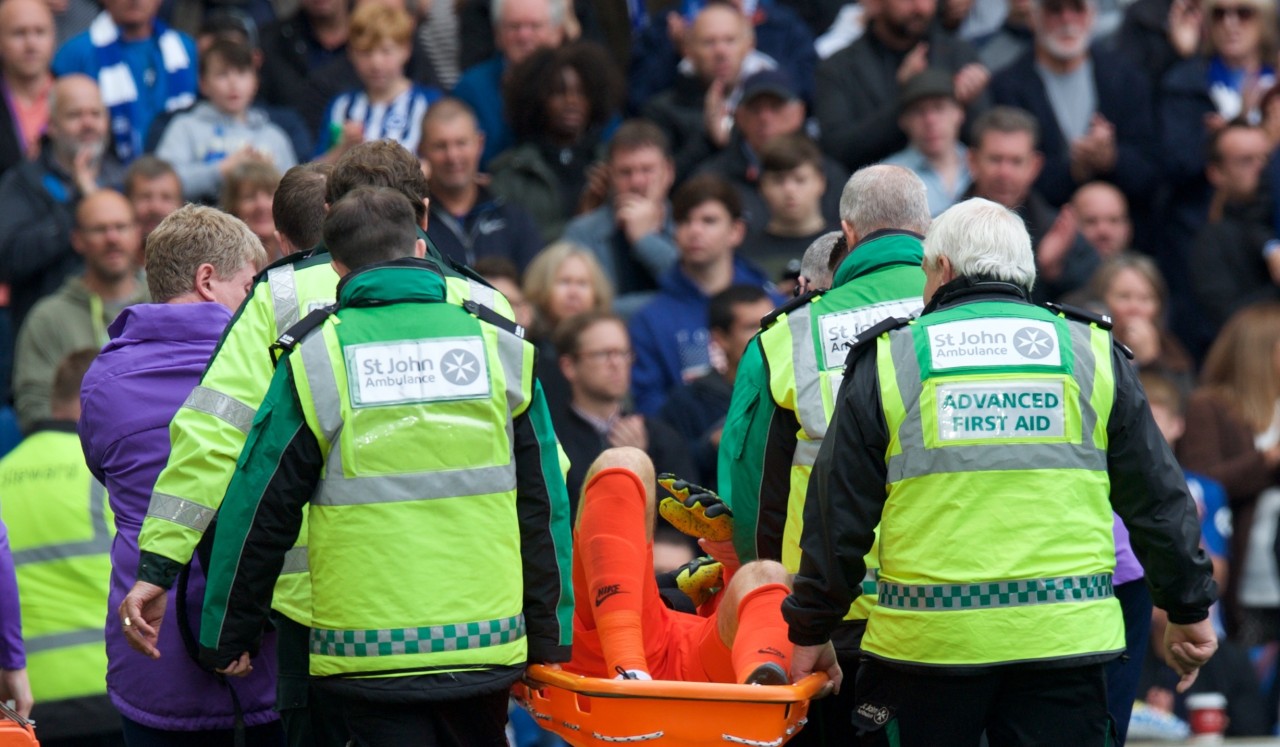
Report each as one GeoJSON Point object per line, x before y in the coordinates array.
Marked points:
{"type": "Point", "coordinates": [223, 131]}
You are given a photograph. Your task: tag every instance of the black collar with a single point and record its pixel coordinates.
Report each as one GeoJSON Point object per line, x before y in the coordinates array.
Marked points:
{"type": "Point", "coordinates": [970, 289]}
{"type": "Point", "coordinates": [57, 426]}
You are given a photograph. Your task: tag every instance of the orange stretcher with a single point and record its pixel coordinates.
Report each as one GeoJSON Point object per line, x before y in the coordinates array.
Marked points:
{"type": "Point", "coordinates": [586, 711]}
{"type": "Point", "coordinates": [16, 731]}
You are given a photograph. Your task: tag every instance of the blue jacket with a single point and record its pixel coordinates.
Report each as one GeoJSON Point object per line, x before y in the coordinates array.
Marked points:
{"type": "Point", "coordinates": [493, 228]}
{"type": "Point", "coordinates": [481, 87]}
{"type": "Point", "coordinates": [1124, 99]}
{"type": "Point", "coordinates": [670, 336]}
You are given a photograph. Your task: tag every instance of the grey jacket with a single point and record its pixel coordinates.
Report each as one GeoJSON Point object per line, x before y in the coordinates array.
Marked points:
{"type": "Point", "coordinates": [195, 142]}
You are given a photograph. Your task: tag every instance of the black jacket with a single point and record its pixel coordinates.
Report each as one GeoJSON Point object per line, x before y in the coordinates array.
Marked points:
{"type": "Point", "coordinates": [493, 228]}
{"type": "Point", "coordinates": [11, 151]}
{"type": "Point", "coordinates": [35, 235]}
{"type": "Point", "coordinates": [1228, 271]}
{"type": "Point", "coordinates": [847, 495]}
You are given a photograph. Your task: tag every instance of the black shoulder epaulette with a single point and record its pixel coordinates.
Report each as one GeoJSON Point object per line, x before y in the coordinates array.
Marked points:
{"type": "Point", "coordinates": [1123, 348]}
{"type": "Point", "coordinates": [870, 334]}
{"type": "Point", "coordinates": [1078, 314]}
{"type": "Point", "coordinates": [288, 259]}
{"type": "Point", "coordinates": [788, 307]}
{"type": "Point", "coordinates": [293, 335]}
{"type": "Point", "coordinates": [486, 314]}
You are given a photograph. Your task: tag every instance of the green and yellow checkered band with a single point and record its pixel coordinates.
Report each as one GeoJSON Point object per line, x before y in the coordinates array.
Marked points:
{"type": "Point", "coordinates": [429, 640]}
{"type": "Point", "coordinates": [943, 597]}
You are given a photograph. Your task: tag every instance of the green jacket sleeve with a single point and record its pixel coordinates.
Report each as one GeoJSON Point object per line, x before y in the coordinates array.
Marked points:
{"type": "Point", "coordinates": [258, 523]}
{"type": "Point", "coordinates": [207, 435]}
{"type": "Point", "coordinates": [742, 448]}
{"type": "Point", "coordinates": [545, 541]}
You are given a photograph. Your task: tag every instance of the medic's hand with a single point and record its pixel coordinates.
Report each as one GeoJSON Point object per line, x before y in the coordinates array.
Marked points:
{"type": "Point", "coordinates": [822, 658]}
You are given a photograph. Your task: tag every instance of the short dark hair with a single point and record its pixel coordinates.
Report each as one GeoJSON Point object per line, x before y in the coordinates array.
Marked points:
{"type": "Point", "coordinates": [230, 23]}
{"type": "Point", "coordinates": [1006, 119]}
{"type": "Point", "coordinates": [380, 163]}
{"type": "Point", "coordinates": [720, 310]}
{"type": "Point", "coordinates": [787, 152]}
{"type": "Point", "coordinates": [705, 188]}
{"type": "Point", "coordinates": [147, 168]}
{"type": "Point", "coordinates": [532, 82]}
{"type": "Point", "coordinates": [568, 334]}
{"type": "Point", "coordinates": [298, 206]}
{"type": "Point", "coordinates": [491, 268]}
{"type": "Point", "coordinates": [1213, 152]}
{"type": "Point", "coordinates": [235, 55]}
{"type": "Point", "coordinates": [369, 225]}
{"type": "Point", "coordinates": [70, 375]}
{"type": "Point", "coordinates": [1161, 389]}
{"type": "Point", "coordinates": [635, 134]}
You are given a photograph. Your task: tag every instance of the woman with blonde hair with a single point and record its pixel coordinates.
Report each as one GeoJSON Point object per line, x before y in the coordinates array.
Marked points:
{"type": "Point", "coordinates": [1132, 288]}
{"type": "Point", "coordinates": [1233, 436]}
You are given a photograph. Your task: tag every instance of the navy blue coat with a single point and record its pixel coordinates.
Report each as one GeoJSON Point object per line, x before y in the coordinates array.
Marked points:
{"type": "Point", "coordinates": [1124, 98]}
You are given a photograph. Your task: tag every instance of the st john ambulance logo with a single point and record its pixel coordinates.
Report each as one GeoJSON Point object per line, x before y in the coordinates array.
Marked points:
{"type": "Point", "coordinates": [460, 367]}
{"type": "Point", "coordinates": [1032, 343]}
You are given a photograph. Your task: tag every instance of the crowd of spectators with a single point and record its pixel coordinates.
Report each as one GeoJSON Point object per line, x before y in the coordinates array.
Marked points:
{"type": "Point", "coordinates": [641, 177]}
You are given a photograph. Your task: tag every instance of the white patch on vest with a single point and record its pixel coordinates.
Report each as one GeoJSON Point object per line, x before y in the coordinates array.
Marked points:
{"type": "Point", "coordinates": [834, 380]}
{"type": "Point", "coordinates": [994, 342]}
{"type": "Point", "coordinates": [1000, 409]}
{"type": "Point", "coordinates": [839, 328]}
{"type": "Point", "coordinates": [319, 304]}
{"type": "Point", "coordinates": [386, 373]}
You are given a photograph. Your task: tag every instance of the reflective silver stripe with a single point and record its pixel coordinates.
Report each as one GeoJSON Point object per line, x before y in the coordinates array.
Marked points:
{"type": "Point", "coordinates": [511, 355]}
{"type": "Point", "coordinates": [223, 407]}
{"type": "Point", "coordinates": [992, 594]}
{"type": "Point", "coordinates": [180, 511]}
{"type": "Point", "coordinates": [804, 367]}
{"type": "Point", "coordinates": [1082, 348]}
{"type": "Point", "coordinates": [806, 453]}
{"type": "Point", "coordinates": [284, 296]}
{"type": "Point", "coordinates": [481, 293]}
{"type": "Point", "coordinates": [426, 640]}
{"type": "Point", "coordinates": [324, 387]}
{"type": "Point", "coordinates": [339, 490]}
{"type": "Point", "coordinates": [63, 640]}
{"type": "Point", "coordinates": [295, 561]}
{"type": "Point", "coordinates": [916, 461]}
{"type": "Point", "coordinates": [98, 544]}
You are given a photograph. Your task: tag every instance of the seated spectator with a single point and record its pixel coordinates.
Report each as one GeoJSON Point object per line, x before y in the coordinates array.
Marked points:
{"type": "Point", "coordinates": [294, 52]}
{"type": "Point", "coordinates": [1094, 110]}
{"type": "Point", "coordinates": [792, 184]}
{"type": "Point", "coordinates": [558, 102]}
{"type": "Point", "coordinates": [697, 409]}
{"type": "Point", "coordinates": [225, 130]}
{"type": "Point", "coordinates": [388, 104]}
{"type": "Point", "coordinates": [595, 357]}
{"type": "Point", "coordinates": [505, 279]}
{"type": "Point", "coordinates": [521, 28]}
{"type": "Point", "coordinates": [1231, 426]}
{"type": "Point", "coordinates": [78, 315]}
{"type": "Point", "coordinates": [1004, 163]}
{"type": "Point", "coordinates": [247, 194]}
{"type": "Point", "coordinates": [778, 30]}
{"type": "Point", "coordinates": [564, 280]}
{"type": "Point", "coordinates": [770, 108]}
{"type": "Point", "coordinates": [857, 88]}
{"type": "Point", "coordinates": [200, 265]}
{"type": "Point", "coordinates": [40, 196]}
{"type": "Point", "coordinates": [1228, 267]}
{"type": "Point", "coordinates": [298, 207]}
{"type": "Point", "coordinates": [154, 190]}
{"type": "Point", "coordinates": [1102, 213]}
{"type": "Point", "coordinates": [632, 233]}
{"type": "Point", "coordinates": [26, 49]}
{"type": "Point", "coordinates": [670, 336]}
{"type": "Point", "coordinates": [931, 116]}
{"type": "Point", "coordinates": [696, 111]}
{"type": "Point", "coordinates": [1132, 289]}
{"type": "Point", "coordinates": [468, 222]}
{"type": "Point", "coordinates": [59, 525]}
{"type": "Point", "coordinates": [120, 50]}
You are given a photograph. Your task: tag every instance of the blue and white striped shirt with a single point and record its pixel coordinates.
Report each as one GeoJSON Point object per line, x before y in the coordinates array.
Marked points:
{"type": "Point", "coordinates": [399, 119]}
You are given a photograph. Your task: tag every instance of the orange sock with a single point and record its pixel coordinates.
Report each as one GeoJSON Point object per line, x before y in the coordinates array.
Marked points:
{"type": "Point", "coordinates": [762, 633]}
{"type": "Point", "coordinates": [615, 556]}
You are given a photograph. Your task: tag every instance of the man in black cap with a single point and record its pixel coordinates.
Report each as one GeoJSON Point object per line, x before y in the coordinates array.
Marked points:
{"type": "Point", "coordinates": [931, 117]}
{"type": "Point", "coordinates": [770, 107]}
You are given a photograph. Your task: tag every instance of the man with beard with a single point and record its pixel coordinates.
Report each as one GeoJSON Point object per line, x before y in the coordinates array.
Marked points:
{"type": "Point", "coordinates": [858, 88]}
{"type": "Point", "coordinates": [78, 315]}
{"type": "Point", "coordinates": [1094, 110]}
{"type": "Point", "coordinates": [39, 197]}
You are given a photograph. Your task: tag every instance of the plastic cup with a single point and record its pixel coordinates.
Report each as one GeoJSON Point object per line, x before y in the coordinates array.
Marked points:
{"type": "Point", "coordinates": [1208, 715]}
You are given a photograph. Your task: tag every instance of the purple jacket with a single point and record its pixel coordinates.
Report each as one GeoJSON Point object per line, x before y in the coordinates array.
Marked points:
{"type": "Point", "coordinates": [12, 655]}
{"type": "Point", "coordinates": [1127, 566]}
{"type": "Point", "coordinates": [155, 358]}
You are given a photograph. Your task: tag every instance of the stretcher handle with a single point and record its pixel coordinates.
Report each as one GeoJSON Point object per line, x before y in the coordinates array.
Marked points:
{"type": "Point", "coordinates": [540, 675]}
